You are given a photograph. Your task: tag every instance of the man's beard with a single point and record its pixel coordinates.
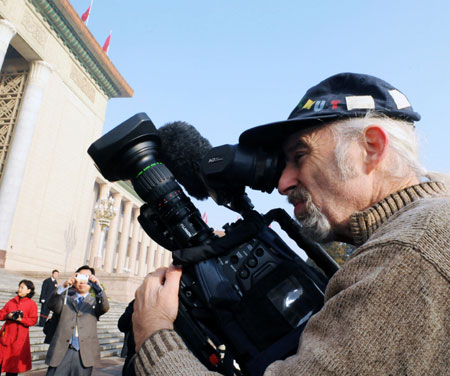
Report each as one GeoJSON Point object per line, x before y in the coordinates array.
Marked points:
{"type": "Point", "coordinates": [314, 223]}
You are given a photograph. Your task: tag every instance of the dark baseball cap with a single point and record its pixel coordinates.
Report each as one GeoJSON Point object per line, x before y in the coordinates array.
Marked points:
{"type": "Point", "coordinates": [344, 95]}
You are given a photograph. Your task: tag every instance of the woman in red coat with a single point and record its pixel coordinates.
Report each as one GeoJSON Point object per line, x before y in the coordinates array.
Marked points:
{"type": "Point", "coordinates": [20, 313]}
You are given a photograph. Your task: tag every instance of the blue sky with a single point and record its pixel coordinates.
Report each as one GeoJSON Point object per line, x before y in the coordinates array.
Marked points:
{"type": "Point", "coordinates": [227, 65]}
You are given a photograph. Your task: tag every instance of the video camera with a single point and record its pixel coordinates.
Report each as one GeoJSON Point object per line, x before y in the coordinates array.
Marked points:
{"type": "Point", "coordinates": [244, 297]}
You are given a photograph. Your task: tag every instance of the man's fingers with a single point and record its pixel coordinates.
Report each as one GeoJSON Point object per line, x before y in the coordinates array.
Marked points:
{"type": "Point", "coordinates": [173, 276]}
{"type": "Point", "coordinates": [152, 280]}
{"type": "Point", "coordinates": [159, 274]}
{"type": "Point", "coordinates": [156, 303]}
{"type": "Point", "coordinates": [167, 277]}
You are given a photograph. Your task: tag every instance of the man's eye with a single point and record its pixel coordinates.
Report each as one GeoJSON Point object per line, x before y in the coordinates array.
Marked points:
{"type": "Point", "coordinates": [298, 157]}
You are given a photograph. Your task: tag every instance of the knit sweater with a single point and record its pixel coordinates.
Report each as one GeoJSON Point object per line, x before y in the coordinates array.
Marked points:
{"type": "Point", "coordinates": [386, 311]}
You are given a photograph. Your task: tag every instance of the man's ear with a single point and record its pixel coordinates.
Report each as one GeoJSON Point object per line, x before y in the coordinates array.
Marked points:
{"type": "Point", "coordinates": [376, 142]}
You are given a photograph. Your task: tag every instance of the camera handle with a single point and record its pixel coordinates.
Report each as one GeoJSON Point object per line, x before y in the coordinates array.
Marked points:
{"type": "Point", "coordinates": [250, 227]}
{"type": "Point", "coordinates": [314, 251]}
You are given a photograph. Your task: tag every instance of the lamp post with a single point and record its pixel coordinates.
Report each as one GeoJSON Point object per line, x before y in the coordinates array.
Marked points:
{"type": "Point", "coordinates": [104, 212]}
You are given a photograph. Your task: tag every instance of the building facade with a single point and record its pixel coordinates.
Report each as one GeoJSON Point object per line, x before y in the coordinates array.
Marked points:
{"type": "Point", "coordinates": [55, 83]}
{"type": "Point", "coordinates": [126, 248]}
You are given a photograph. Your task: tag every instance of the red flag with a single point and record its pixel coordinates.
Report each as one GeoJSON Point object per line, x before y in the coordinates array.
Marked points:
{"type": "Point", "coordinates": [107, 42]}
{"type": "Point", "coordinates": [205, 217]}
{"type": "Point", "coordinates": [85, 15]}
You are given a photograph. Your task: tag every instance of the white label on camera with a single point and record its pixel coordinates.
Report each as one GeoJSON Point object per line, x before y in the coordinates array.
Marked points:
{"type": "Point", "coordinates": [185, 230]}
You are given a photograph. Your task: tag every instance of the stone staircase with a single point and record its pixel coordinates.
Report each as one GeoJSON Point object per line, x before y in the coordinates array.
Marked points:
{"type": "Point", "coordinates": [110, 338]}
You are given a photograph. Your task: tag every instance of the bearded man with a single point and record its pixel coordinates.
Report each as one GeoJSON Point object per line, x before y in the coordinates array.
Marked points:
{"type": "Point", "coordinates": [352, 174]}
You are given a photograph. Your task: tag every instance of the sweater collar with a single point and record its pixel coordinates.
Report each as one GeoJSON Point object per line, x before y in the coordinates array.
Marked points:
{"type": "Point", "coordinates": [364, 223]}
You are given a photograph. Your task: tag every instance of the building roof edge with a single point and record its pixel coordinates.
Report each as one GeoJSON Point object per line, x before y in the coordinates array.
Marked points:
{"type": "Point", "coordinates": [69, 27]}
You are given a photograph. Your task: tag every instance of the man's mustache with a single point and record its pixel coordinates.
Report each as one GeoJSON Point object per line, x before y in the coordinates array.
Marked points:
{"type": "Point", "coordinates": [301, 194]}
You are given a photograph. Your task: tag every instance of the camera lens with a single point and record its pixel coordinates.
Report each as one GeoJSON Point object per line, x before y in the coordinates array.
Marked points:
{"type": "Point", "coordinates": [130, 152]}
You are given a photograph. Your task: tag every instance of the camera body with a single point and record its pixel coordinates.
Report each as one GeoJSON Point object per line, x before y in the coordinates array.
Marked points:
{"type": "Point", "coordinates": [16, 315]}
{"type": "Point", "coordinates": [82, 278]}
{"type": "Point", "coordinates": [244, 297]}
{"type": "Point", "coordinates": [85, 278]}
{"type": "Point", "coordinates": [255, 299]}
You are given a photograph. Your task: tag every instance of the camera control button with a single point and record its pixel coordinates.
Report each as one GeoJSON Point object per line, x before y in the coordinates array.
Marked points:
{"type": "Point", "coordinates": [252, 262]}
{"type": "Point", "coordinates": [244, 273]}
{"type": "Point", "coordinates": [259, 252]}
{"type": "Point", "coordinates": [234, 259]}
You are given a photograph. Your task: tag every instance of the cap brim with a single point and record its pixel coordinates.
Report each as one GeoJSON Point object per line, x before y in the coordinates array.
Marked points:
{"type": "Point", "coordinates": [272, 135]}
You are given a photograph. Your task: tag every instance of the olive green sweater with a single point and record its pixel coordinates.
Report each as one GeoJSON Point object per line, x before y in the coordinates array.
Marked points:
{"type": "Point", "coordinates": [386, 312]}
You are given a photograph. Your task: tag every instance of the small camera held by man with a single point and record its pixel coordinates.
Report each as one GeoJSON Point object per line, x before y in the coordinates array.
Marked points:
{"type": "Point", "coordinates": [83, 278]}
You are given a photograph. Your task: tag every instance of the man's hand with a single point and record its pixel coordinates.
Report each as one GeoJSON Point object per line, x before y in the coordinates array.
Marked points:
{"type": "Point", "coordinates": [94, 279]}
{"type": "Point", "coordinates": [70, 281]}
{"type": "Point", "coordinates": [156, 304]}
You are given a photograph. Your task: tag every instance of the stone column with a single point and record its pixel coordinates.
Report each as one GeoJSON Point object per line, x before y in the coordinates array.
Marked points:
{"type": "Point", "coordinates": [167, 257]}
{"type": "Point", "coordinates": [124, 237]}
{"type": "Point", "coordinates": [20, 146]}
{"type": "Point", "coordinates": [142, 254]}
{"type": "Point", "coordinates": [134, 243]}
{"type": "Point", "coordinates": [7, 32]}
{"type": "Point", "coordinates": [111, 240]}
{"type": "Point", "coordinates": [96, 237]}
{"type": "Point", "coordinates": [158, 257]}
{"type": "Point", "coordinates": [151, 256]}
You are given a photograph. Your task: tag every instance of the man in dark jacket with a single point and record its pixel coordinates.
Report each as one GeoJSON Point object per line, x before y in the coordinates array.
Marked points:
{"type": "Point", "coordinates": [125, 326]}
{"type": "Point", "coordinates": [49, 286]}
{"type": "Point", "coordinates": [74, 348]}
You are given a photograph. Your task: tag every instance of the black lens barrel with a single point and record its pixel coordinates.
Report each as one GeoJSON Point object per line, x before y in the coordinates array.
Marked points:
{"type": "Point", "coordinates": [153, 182]}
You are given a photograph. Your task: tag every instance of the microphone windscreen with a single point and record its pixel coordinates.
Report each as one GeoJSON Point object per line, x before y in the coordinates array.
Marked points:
{"type": "Point", "coordinates": [182, 149]}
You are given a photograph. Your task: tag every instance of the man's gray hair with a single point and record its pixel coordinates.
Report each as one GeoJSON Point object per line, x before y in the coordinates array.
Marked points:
{"type": "Point", "coordinates": [403, 141]}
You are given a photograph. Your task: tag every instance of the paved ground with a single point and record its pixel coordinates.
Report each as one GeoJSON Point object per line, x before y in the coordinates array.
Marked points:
{"type": "Point", "coordinates": [107, 366]}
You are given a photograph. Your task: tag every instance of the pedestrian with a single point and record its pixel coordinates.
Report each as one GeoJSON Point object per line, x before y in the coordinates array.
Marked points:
{"type": "Point", "coordinates": [20, 313]}
{"type": "Point", "coordinates": [49, 286]}
{"type": "Point", "coordinates": [74, 348]}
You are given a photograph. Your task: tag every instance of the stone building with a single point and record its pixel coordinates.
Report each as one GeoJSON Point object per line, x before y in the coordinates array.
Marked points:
{"type": "Point", "coordinates": [55, 83]}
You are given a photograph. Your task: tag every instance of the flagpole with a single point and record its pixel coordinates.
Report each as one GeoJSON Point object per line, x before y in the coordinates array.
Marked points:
{"type": "Point", "coordinates": [90, 10]}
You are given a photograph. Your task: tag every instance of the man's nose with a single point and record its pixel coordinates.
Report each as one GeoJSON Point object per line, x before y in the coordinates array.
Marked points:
{"type": "Point", "coordinates": [288, 180]}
